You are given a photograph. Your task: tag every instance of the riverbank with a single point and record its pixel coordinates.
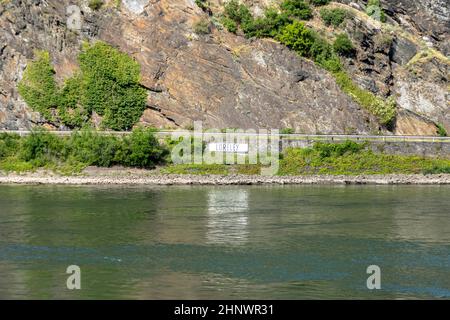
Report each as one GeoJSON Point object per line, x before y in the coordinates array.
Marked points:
{"type": "Point", "coordinates": [131, 178]}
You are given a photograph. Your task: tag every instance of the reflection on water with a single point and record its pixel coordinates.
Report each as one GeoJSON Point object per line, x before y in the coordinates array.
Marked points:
{"type": "Point", "coordinates": [225, 242]}
{"type": "Point", "coordinates": [227, 216]}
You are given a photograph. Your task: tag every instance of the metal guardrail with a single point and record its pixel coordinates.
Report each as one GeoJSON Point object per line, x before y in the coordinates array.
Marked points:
{"type": "Point", "coordinates": [294, 136]}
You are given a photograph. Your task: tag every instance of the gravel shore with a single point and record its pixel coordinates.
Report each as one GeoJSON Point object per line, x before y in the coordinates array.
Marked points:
{"type": "Point", "coordinates": [133, 179]}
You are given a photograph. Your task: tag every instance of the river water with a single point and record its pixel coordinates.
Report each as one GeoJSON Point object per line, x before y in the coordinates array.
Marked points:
{"type": "Point", "coordinates": [257, 242]}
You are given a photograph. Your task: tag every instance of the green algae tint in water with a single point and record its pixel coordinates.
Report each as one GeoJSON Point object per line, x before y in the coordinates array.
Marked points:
{"type": "Point", "coordinates": [225, 242]}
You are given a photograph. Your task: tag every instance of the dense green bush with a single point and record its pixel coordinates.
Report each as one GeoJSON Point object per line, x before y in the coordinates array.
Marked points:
{"type": "Point", "coordinates": [297, 8]}
{"type": "Point", "coordinates": [82, 148]}
{"type": "Point", "coordinates": [267, 26]}
{"type": "Point", "coordinates": [142, 149]}
{"type": "Point", "coordinates": [309, 44]}
{"type": "Point", "coordinates": [297, 37]}
{"type": "Point", "coordinates": [343, 45]}
{"type": "Point", "coordinates": [41, 148]}
{"type": "Point", "coordinates": [38, 87]}
{"type": "Point", "coordinates": [324, 55]}
{"type": "Point", "coordinates": [108, 83]}
{"type": "Point", "coordinates": [110, 86]}
{"type": "Point", "coordinates": [334, 17]}
{"type": "Point", "coordinates": [237, 12]}
{"type": "Point", "coordinates": [9, 143]}
{"type": "Point", "coordinates": [70, 111]}
{"type": "Point", "coordinates": [90, 148]}
{"type": "Point", "coordinates": [229, 24]}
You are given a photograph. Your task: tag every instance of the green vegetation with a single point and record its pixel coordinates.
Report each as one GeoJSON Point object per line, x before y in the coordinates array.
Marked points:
{"type": "Point", "coordinates": [351, 158]}
{"type": "Point", "coordinates": [343, 45]}
{"type": "Point", "coordinates": [95, 4]}
{"type": "Point", "coordinates": [385, 110]}
{"type": "Point", "coordinates": [229, 24]}
{"type": "Point", "coordinates": [107, 83]}
{"type": "Point", "coordinates": [320, 2]}
{"type": "Point", "coordinates": [38, 87]}
{"type": "Point", "coordinates": [334, 17]}
{"type": "Point", "coordinates": [441, 130]}
{"type": "Point", "coordinates": [296, 9]}
{"type": "Point", "coordinates": [309, 44]}
{"type": "Point", "coordinates": [202, 27]}
{"type": "Point", "coordinates": [437, 169]}
{"type": "Point", "coordinates": [71, 154]}
{"type": "Point", "coordinates": [375, 10]}
{"type": "Point", "coordinates": [202, 4]}
{"type": "Point", "coordinates": [238, 15]}
{"type": "Point", "coordinates": [41, 149]}
{"type": "Point", "coordinates": [297, 37]}
{"type": "Point", "coordinates": [110, 86]}
{"type": "Point", "coordinates": [287, 131]}
{"type": "Point", "coordinates": [238, 12]}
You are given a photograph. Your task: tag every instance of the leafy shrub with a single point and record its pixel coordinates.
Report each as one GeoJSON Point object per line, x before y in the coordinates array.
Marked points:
{"type": "Point", "coordinates": [38, 87]}
{"type": "Point", "coordinates": [323, 54]}
{"type": "Point", "coordinates": [375, 10]}
{"type": "Point", "coordinates": [70, 111]}
{"type": "Point", "coordinates": [110, 86]}
{"type": "Point", "coordinates": [334, 17]}
{"type": "Point", "coordinates": [229, 24]}
{"type": "Point", "coordinates": [343, 45]}
{"type": "Point", "coordinates": [95, 4]}
{"type": "Point", "coordinates": [41, 148]}
{"type": "Point", "coordinates": [202, 4]}
{"type": "Point", "coordinates": [9, 143]}
{"type": "Point", "coordinates": [83, 148]}
{"type": "Point", "coordinates": [202, 27]}
{"type": "Point", "coordinates": [297, 37]}
{"type": "Point", "coordinates": [297, 8]}
{"type": "Point", "coordinates": [238, 12]}
{"type": "Point", "coordinates": [441, 130]}
{"type": "Point", "coordinates": [91, 148]}
{"type": "Point", "coordinates": [142, 149]}
{"type": "Point", "coordinates": [267, 26]}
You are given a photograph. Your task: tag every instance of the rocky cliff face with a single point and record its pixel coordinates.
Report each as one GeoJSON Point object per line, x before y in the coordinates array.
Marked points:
{"type": "Point", "coordinates": [229, 81]}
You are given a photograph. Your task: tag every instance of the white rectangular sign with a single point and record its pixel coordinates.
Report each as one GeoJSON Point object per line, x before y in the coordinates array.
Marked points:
{"type": "Point", "coordinates": [228, 147]}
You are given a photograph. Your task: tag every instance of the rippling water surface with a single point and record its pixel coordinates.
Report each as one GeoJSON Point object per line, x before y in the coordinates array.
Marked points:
{"type": "Point", "coordinates": [225, 242]}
